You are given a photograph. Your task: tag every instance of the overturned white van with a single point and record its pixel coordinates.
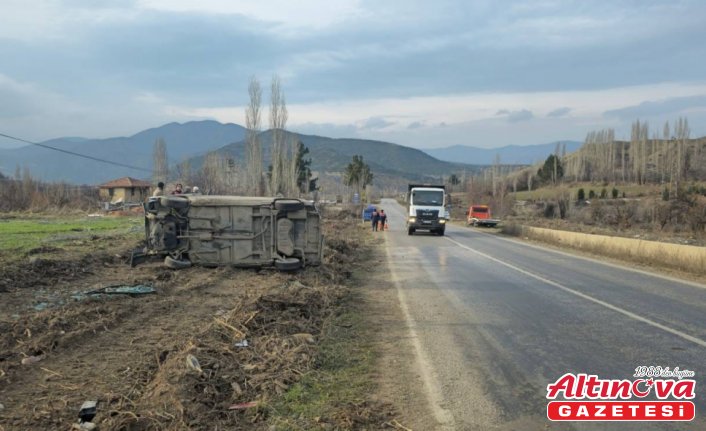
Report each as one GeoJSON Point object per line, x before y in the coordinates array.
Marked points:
{"type": "Point", "coordinates": [233, 230]}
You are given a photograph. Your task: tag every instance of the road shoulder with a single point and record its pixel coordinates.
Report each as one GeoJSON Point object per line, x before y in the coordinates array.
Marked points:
{"type": "Point", "coordinates": [396, 364]}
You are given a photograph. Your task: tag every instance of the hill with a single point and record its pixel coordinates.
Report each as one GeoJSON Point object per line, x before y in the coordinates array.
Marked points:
{"type": "Point", "coordinates": [332, 155]}
{"type": "Point", "coordinates": [183, 140]}
{"type": "Point", "coordinates": [511, 154]}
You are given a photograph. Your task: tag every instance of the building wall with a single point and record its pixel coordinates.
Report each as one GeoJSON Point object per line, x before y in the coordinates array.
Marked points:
{"type": "Point", "coordinates": [127, 194]}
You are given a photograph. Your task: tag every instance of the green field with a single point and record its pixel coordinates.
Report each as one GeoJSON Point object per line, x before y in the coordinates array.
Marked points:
{"type": "Point", "coordinates": [20, 233]}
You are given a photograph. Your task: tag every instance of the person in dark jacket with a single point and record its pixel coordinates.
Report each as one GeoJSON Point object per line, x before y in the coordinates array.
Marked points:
{"type": "Point", "coordinates": [383, 219]}
{"type": "Point", "coordinates": [375, 220]}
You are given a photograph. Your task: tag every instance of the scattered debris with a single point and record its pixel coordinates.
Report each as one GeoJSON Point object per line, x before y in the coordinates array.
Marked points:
{"type": "Point", "coordinates": [2, 407]}
{"type": "Point", "coordinates": [85, 426]}
{"type": "Point", "coordinates": [41, 306]}
{"type": "Point", "coordinates": [88, 411]}
{"type": "Point", "coordinates": [242, 406]}
{"type": "Point", "coordinates": [396, 425]}
{"type": "Point", "coordinates": [29, 360]}
{"type": "Point", "coordinates": [193, 363]}
{"type": "Point", "coordinates": [140, 289]}
{"type": "Point", "coordinates": [304, 337]}
{"type": "Point", "coordinates": [243, 343]}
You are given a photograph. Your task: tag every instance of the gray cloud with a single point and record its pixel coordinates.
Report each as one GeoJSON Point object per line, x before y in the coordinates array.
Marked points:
{"type": "Point", "coordinates": [102, 58]}
{"type": "Point", "coordinates": [376, 123]}
{"type": "Point", "coordinates": [515, 116]}
{"type": "Point", "coordinates": [559, 112]}
{"type": "Point", "coordinates": [415, 125]}
{"type": "Point", "coordinates": [658, 107]}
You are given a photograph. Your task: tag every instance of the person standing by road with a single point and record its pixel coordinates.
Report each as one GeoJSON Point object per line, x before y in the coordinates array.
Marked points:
{"type": "Point", "coordinates": [159, 191]}
{"type": "Point", "coordinates": [375, 220]}
{"type": "Point", "coordinates": [383, 220]}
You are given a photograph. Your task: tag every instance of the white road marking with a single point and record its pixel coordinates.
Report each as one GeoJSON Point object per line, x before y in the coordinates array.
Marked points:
{"type": "Point", "coordinates": [434, 394]}
{"type": "Point", "coordinates": [590, 259]}
{"type": "Point", "coordinates": [630, 314]}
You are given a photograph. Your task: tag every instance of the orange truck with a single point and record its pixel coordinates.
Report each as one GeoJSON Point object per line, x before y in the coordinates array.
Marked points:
{"type": "Point", "coordinates": [479, 215]}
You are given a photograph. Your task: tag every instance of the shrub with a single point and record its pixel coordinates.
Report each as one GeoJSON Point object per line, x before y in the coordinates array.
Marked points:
{"type": "Point", "coordinates": [581, 195]}
{"type": "Point", "coordinates": [604, 193]}
{"type": "Point", "coordinates": [549, 210]}
{"type": "Point", "coordinates": [614, 193]}
{"type": "Point", "coordinates": [665, 194]}
{"type": "Point", "coordinates": [591, 194]}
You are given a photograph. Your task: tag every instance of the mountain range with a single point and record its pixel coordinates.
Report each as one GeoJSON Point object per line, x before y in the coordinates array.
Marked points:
{"type": "Point", "coordinates": [183, 141]}
{"type": "Point", "coordinates": [509, 155]}
{"type": "Point", "coordinates": [193, 140]}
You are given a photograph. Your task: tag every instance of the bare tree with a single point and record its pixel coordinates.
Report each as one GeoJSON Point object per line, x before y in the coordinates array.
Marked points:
{"type": "Point", "coordinates": [253, 147]}
{"type": "Point", "coordinates": [183, 172]}
{"type": "Point", "coordinates": [160, 168]}
{"type": "Point", "coordinates": [278, 124]}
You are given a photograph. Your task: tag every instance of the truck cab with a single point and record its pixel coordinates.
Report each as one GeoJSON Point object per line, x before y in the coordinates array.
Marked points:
{"type": "Point", "coordinates": [479, 215]}
{"type": "Point", "coordinates": [426, 208]}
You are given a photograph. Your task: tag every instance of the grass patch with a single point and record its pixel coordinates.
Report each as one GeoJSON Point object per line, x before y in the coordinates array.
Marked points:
{"type": "Point", "coordinates": [553, 192]}
{"type": "Point", "coordinates": [23, 234]}
{"type": "Point", "coordinates": [337, 392]}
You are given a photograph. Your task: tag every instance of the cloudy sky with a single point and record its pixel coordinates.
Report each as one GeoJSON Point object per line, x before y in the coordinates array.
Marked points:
{"type": "Point", "coordinates": [418, 73]}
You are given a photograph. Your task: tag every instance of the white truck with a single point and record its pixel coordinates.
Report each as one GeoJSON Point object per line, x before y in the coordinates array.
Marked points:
{"type": "Point", "coordinates": [426, 208]}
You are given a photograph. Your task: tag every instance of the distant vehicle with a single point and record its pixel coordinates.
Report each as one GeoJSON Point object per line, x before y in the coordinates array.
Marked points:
{"type": "Point", "coordinates": [479, 215]}
{"type": "Point", "coordinates": [426, 209]}
{"type": "Point", "coordinates": [233, 230]}
{"type": "Point", "coordinates": [368, 213]}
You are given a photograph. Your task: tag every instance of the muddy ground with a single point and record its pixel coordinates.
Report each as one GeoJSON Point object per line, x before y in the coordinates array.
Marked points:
{"type": "Point", "coordinates": [60, 347]}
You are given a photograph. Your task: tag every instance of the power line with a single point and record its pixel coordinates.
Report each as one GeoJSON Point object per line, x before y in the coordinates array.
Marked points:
{"type": "Point", "coordinates": [96, 159]}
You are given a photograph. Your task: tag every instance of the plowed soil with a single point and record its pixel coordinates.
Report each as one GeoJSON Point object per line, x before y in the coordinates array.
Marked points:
{"type": "Point", "coordinates": [60, 347]}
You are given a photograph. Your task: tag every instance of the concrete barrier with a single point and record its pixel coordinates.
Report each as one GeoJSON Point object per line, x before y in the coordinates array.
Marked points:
{"type": "Point", "coordinates": [684, 257]}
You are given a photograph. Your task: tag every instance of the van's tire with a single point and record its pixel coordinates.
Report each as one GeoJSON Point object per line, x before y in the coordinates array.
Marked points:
{"type": "Point", "coordinates": [288, 264]}
{"type": "Point", "coordinates": [172, 263]}
{"type": "Point", "coordinates": [289, 205]}
{"type": "Point", "coordinates": [174, 202]}
{"type": "Point", "coordinates": [410, 231]}
{"type": "Point", "coordinates": [440, 232]}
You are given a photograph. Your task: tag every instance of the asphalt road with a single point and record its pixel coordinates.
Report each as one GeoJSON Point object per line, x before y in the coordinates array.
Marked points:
{"type": "Point", "coordinates": [493, 321]}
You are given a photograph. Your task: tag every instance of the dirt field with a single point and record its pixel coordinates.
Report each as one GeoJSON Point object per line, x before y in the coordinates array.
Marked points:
{"type": "Point", "coordinates": [60, 346]}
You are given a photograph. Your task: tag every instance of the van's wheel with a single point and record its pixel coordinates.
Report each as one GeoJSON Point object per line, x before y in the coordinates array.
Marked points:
{"type": "Point", "coordinates": [172, 263]}
{"type": "Point", "coordinates": [410, 231]}
{"type": "Point", "coordinates": [440, 232]}
{"type": "Point", "coordinates": [288, 264]}
{"type": "Point", "coordinates": [289, 205]}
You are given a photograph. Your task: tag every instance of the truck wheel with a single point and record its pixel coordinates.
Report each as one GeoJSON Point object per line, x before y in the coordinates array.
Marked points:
{"type": "Point", "coordinates": [172, 263]}
{"type": "Point", "coordinates": [410, 231]}
{"type": "Point", "coordinates": [441, 232]}
{"type": "Point", "coordinates": [288, 264]}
